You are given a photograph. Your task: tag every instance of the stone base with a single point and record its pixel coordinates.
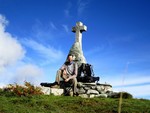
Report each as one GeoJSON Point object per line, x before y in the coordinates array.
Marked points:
{"type": "Point", "coordinates": [56, 91]}
{"type": "Point", "coordinates": [53, 91]}
{"type": "Point", "coordinates": [91, 90]}
{"type": "Point", "coordinates": [46, 90]}
{"type": "Point", "coordinates": [85, 90]}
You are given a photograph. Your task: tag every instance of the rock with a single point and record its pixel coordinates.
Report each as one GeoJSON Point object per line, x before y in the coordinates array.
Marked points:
{"type": "Point", "coordinates": [79, 85]}
{"type": "Point", "coordinates": [91, 96]}
{"type": "Point", "coordinates": [84, 95]}
{"type": "Point", "coordinates": [89, 84]}
{"type": "Point", "coordinates": [108, 89]}
{"type": "Point", "coordinates": [102, 92]}
{"type": "Point", "coordinates": [93, 87]}
{"type": "Point", "coordinates": [92, 92]}
{"type": "Point", "coordinates": [86, 88]}
{"type": "Point", "coordinates": [100, 87]}
{"type": "Point", "coordinates": [113, 94]}
{"type": "Point", "coordinates": [56, 91]}
{"type": "Point", "coordinates": [71, 93]}
{"type": "Point", "coordinates": [76, 50]}
{"type": "Point", "coordinates": [104, 84]}
{"type": "Point", "coordinates": [81, 91]}
{"type": "Point", "coordinates": [46, 90]}
{"type": "Point", "coordinates": [101, 95]}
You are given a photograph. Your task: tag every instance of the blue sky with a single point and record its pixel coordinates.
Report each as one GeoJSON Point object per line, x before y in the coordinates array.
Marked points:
{"type": "Point", "coordinates": [35, 38]}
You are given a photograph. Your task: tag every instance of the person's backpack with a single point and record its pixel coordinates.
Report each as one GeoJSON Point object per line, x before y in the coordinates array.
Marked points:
{"type": "Point", "coordinates": [87, 70]}
{"type": "Point", "coordinates": [88, 74]}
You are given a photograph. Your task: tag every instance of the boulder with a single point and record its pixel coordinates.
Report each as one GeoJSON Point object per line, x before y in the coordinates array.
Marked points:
{"type": "Point", "coordinates": [56, 91]}
{"type": "Point", "coordinates": [84, 95]}
{"type": "Point", "coordinates": [92, 92]}
{"type": "Point", "coordinates": [46, 90]}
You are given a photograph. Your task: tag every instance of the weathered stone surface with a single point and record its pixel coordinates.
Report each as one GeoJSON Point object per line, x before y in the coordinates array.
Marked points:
{"type": "Point", "coordinates": [103, 88]}
{"type": "Point", "coordinates": [56, 91]}
{"type": "Point", "coordinates": [46, 90]}
{"type": "Point", "coordinates": [87, 88]}
{"type": "Point", "coordinates": [81, 91]}
{"type": "Point", "coordinates": [90, 84]}
{"type": "Point", "coordinates": [92, 92]}
{"type": "Point", "coordinates": [71, 93]}
{"type": "Point", "coordinates": [93, 87]}
{"type": "Point", "coordinates": [113, 94]}
{"type": "Point", "coordinates": [107, 88]}
{"type": "Point", "coordinates": [101, 95]}
{"type": "Point", "coordinates": [84, 95]}
{"type": "Point", "coordinates": [100, 88]}
{"type": "Point", "coordinates": [79, 85]}
{"type": "Point", "coordinates": [102, 92]}
{"type": "Point", "coordinates": [77, 51]}
{"type": "Point", "coordinates": [91, 96]}
{"type": "Point", "coordinates": [76, 48]}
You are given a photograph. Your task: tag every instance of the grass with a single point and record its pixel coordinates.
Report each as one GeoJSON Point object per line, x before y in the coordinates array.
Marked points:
{"type": "Point", "coordinates": [29, 99]}
{"type": "Point", "coordinates": [65, 104]}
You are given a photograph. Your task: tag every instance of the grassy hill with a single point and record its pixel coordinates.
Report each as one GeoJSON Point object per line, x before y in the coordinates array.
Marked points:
{"type": "Point", "coordinates": [29, 99]}
{"type": "Point", "coordinates": [66, 104]}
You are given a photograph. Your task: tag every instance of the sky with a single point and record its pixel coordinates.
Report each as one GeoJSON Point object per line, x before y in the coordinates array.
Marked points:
{"type": "Point", "coordinates": [36, 36]}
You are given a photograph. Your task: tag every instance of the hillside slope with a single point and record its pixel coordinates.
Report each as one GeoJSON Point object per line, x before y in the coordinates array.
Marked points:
{"type": "Point", "coordinates": [61, 104]}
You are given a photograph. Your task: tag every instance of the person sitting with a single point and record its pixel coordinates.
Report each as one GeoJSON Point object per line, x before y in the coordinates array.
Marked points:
{"type": "Point", "coordinates": [67, 73]}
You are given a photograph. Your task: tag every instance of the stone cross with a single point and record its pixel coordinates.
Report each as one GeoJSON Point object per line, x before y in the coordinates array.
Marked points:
{"type": "Point", "coordinates": [78, 29]}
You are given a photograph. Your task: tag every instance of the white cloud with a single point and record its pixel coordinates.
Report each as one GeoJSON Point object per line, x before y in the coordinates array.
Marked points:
{"type": "Point", "coordinates": [10, 49]}
{"type": "Point", "coordinates": [12, 65]}
{"type": "Point", "coordinates": [21, 72]}
{"type": "Point", "coordinates": [137, 91]}
{"type": "Point", "coordinates": [82, 5]}
{"type": "Point", "coordinates": [28, 72]}
{"type": "Point", "coordinates": [126, 79]}
{"type": "Point", "coordinates": [53, 26]}
{"type": "Point", "coordinates": [46, 52]}
{"type": "Point", "coordinates": [138, 84]}
{"type": "Point", "coordinates": [42, 31]}
{"type": "Point", "coordinates": [67, 10]}
{"type": "Point", "coordinates": [66, 28]}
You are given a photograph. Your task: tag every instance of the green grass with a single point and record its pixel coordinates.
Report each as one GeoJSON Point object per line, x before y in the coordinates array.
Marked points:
{"type": "Point", "coordinates": [66, 104]}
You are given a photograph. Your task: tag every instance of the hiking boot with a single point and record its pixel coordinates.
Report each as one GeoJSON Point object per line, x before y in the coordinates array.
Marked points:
{"type": "Point", "coordinates": [55, 85]}
{"type": "Point", "coordinates": [45, 84]}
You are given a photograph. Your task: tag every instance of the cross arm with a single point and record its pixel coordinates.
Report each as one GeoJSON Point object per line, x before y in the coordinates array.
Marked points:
{"type": "Point", "coordinates": [81, 28]}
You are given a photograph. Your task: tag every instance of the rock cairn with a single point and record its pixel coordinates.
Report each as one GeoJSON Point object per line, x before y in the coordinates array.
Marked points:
{"type": "Point", "coordinates": [90, 90]}
{"type": "Point", "coordinates": [85, 90]}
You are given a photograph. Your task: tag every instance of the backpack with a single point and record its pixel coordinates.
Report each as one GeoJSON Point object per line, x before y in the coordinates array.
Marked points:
{"type": "Point", "coordinates": [88, 74]}
{"type": "Point", "coordinates": [87, 70]}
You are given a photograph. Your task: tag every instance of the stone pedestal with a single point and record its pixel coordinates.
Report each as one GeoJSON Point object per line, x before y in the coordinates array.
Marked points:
{"type": "Point", "coordinates": [46, 90]}
{"type": "Point", "coordinates": [56, 91]}
{"type": "Point", "coordinates": [91, 90]}
{"type": "Point", "coordinates": [85, 90]}
{"type": "Point", "coordinates": [53, 91]}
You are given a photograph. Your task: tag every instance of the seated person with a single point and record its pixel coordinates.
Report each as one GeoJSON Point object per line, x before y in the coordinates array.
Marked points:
{"type": "Point", "coordinates": [68, 73]}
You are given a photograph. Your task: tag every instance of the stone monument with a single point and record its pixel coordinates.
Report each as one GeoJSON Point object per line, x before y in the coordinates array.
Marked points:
{"type": "Point", "coordinates": [87, 87]}
{"type": "Point", "coordinates": [76, 48]}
